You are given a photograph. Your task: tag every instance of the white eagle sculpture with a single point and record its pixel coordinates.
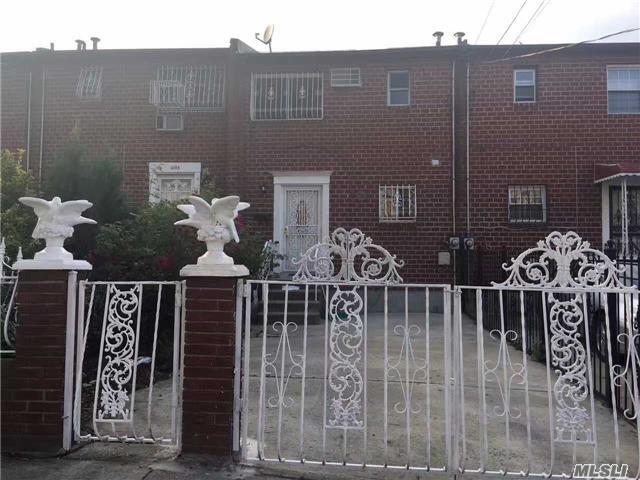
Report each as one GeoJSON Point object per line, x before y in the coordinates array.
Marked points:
{"type": "Point", "coordinates": [56, 220]}
{"type": "Point", "coordinates": [216, 227]}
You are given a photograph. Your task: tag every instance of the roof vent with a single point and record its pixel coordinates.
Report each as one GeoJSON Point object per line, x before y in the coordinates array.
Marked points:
{"type": "Point", "coordinates": [95, 41]}
{"type": "Point", "coordinates": [81, 45]}
{"type": "Point", "coordinates": [460, 36]}
{"type": "Point", "coordinates": [438, 36]}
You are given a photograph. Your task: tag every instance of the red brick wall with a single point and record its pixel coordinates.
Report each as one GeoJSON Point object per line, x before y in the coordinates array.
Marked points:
{"type": "Point", "coordinates": [365, 144]}
{"type": "Point", "coordinates": [33, 382]}
{"type": "Point", "coordinates": [553, 142]}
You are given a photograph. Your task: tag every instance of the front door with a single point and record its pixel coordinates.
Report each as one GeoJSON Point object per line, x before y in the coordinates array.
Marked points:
{"type": "Point", "coordinates": [302, 221]}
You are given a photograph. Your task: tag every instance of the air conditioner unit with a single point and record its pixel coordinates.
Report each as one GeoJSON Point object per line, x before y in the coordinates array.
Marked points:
{"type": "Point", "coordinates": [169, 122]}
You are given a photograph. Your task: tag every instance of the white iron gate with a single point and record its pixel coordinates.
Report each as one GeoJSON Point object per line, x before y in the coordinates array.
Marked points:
{"type": "Point", "coordinates": [340, 368]}
{"type": "Point", "coordinates": [128, 370]}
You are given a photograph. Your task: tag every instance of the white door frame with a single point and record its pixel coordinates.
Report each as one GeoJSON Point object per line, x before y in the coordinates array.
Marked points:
{"type": "Point", "coordinates": [298, 179]}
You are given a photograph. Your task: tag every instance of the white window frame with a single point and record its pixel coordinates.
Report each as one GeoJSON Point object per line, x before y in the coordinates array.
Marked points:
{"type": "Point", "coordinates": [81, 88]}
{"type": "Point", "coordinates": [525, 84]}
{"type": "Point", "coordinates": [399, 217]}
{"type": "Point", "coordinates": [171, 170]}
{"type": "Point", "coordinates": [624, 66]}
{"type": "Point", "coordinates": [166, 114]}
{"type": "Point", "coordinates": [527, 221]}
{"type": "Point", "coordinates": [389, 89]}
{"type": "Point", "coordinates": [343, 77]}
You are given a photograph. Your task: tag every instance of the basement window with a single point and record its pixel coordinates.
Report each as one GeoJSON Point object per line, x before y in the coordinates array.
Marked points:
{"type": "Point", "coordinates": [623, 89]}
{"type": "Point", "coordinates": [397, 203]}
{"type": "Point", "coordinates": [89, 83]}
{"type": "Point", "coordinates": [398, 90]}
{"type": "Point", "coordinates": [286, 96]}
{"type": "Point", "coordinates": [524, 85]}
{"type": "Point", "coordinates": [345, 77]}
{"type": "Point", "coordinates": [173, 181]}
{"type": "Point", "coordinates": [527, 204]}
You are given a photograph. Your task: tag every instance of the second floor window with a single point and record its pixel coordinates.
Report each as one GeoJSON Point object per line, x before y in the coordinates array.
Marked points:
{"type": "Point", "coordinates": [623, 89]}
{"type": "Point", "coordinates": [286, 96]}
{"type": "Point", "coordinates": [188, 88]}
{"type": "Point", "coordinates": [89, 83]}
{"type": "Point", "coordinates": [524, 85]}
{"type": "Point", "coordinates": [527, 204]}
{"type": "Point", "coordinates": [398, 89]}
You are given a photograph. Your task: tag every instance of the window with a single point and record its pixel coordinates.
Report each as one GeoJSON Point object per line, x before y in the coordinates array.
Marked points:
{"type": "Point", "coordinates": [527, 204]}
{"type": "Point", "coordinates": [173, 181]}
{"type": "Point", "coordinates": [345, 77]}
{"type": "Point", "coordinates": [286, 96]}
{"type": "Point", "coordinates": [623, 89]}
{"type": "Point", "coordinates": [524, 85]}
{"type": "Point", "coordinates": [633, 212]}
{"type": "Point", "coordinates": [398, 89]}
{"type": "Point", "coordinates": [194, 88]}
{"type": "Point", "coordinates": [169, 122]}
{"type": "Point", "coordinates": [89, 83]}
{"type": "Point", "coordinates": [397, 203]}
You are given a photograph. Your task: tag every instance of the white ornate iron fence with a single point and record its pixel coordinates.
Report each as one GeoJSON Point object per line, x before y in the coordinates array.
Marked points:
{"type": "Point", "coordinates": [128, 374]}
{"type": "Point", "coordinates": [8, 290]}
{"type": "Point", "coordinates": [391, 375]}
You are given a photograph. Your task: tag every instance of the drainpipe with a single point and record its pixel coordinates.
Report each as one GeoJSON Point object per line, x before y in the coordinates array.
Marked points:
{"type": "Point", "coordinates": [29, 120]}
{"type": "Point", "coordinates": [41, 129]}
{"type": "Point", "coordinates": [453, 161]}
{"type": "Point", "coordinates": [468, 173]}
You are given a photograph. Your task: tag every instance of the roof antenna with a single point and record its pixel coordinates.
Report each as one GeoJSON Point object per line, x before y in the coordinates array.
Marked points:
{"type": "Point", "coordinates": [267, 36]}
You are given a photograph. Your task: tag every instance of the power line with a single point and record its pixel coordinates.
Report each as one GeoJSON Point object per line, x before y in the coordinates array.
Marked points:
{"type": "Point", "coordinates": [485, 21]}
{"type": "Point", "coordinates": [532, 18]}
{"type": "Point", "coordinates": [512, 21]}
{"type": "Point", "coordinates": [564, 47]}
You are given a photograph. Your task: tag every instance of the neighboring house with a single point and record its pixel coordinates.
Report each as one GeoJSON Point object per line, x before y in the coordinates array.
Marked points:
{"type": "Point", "coordinates": [317, 140]}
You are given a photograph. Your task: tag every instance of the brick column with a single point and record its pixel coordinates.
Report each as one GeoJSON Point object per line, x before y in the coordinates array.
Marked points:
{"type": "Point", "coordinates": [33, 383]}
{"type": "Point", "coordinates": [209, 347]}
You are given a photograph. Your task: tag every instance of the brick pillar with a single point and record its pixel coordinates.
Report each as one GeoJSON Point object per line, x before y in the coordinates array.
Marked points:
{"type": "Point", "coordinates": [33, 383]}
{"type": "Point", "coordinates": [209, 347]}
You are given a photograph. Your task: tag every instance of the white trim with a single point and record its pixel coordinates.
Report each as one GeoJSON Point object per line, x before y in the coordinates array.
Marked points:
{"type": "Point", "coordinates": [292, 179]}
{"type": "Point", "coordinates": [169, 170]}
{"type": "Point", "coordinates": [408, 89]}
{"type": "Point", "coordinates": [534, 85]}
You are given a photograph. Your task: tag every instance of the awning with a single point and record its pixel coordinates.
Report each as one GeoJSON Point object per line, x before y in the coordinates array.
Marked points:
{"type": "Point", "coordinates": [609, 171]}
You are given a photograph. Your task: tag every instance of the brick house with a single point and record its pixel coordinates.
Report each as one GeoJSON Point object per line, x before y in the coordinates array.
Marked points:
{"type": "Point", "coordinates": [413, 145]}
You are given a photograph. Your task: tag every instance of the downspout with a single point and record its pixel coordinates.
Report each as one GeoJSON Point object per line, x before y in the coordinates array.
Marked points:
{"type": "Point", "coordinates": [41, 130]}
{"type": "Point", "coordinates": [468, 173]}
{"type": "Point", "coordinates": [453, 160]}
{"type": "Point", "coordinates": [29, 120]}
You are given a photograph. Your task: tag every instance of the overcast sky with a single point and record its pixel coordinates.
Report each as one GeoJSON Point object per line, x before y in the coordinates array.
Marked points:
{"type": "Point", "coordinates": [306, 25]}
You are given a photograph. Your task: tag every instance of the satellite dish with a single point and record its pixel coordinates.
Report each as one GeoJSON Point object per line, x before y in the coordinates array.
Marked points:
{"type": "Point", "coordinates": [267, 36]}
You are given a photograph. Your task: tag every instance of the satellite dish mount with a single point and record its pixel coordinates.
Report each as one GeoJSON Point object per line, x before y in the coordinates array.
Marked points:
{"type": "Point", "coordinates": [267, 36]}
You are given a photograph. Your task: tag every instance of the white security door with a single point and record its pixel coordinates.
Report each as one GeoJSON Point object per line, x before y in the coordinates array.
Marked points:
{"type": "Point", "coordinates": [302, 221]}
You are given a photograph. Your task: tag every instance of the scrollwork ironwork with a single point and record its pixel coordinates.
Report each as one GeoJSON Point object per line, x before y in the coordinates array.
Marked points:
{"type": "Point", "coordinates": [270, 365]}
{"type": "Point", "coordinates": [348, 256]}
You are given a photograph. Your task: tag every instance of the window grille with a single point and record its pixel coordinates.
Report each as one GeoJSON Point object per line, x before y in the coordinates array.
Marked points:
{"type": "Point", "coordinates": [398, 89]}
{"type": "Point", "coordinates": [89, 83]}
{"type": "Point", "coordinates": [191, 88]}
{"type": "Point", "coordinates": [173, 181]}
{"type": "Point", "coordinates": [173, 189]}
{"type": "Point", "coordinates": [527, 204]}
{"type": "Point", "coordinates": [169, 122]}
{"type": "Point", "coordinates": [524, 85]}
{"type": "Point", "coordinates": [286, 96]}
{"type": "Point", "coordinates": [345, 77]}
{"type": "Point", "coordinates": [623, 89]}
{"type": "Point", "coordinates": [397, 203]}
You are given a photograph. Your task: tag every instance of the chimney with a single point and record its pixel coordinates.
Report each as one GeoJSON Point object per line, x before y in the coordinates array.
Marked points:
{"type": "Point", "coordinates": [460, 36]}
{"type": "Point", "coordinates": [438, 36]}
{"type": "Point", "coordinates": [82, 45]}
{"type": "Point", "coordinates": [95, 41]}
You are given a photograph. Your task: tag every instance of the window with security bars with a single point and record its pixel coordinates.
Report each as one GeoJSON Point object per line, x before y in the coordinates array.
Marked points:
{"type": "Point", "coordinates": [286, 96]}
{"type": "Point", "coordinates": [173, 189]}
{"type": "Point", "coordinates": [527, 204]}
{"type": "Point", "coordinates": [623, 89]}
{"type": "Point", "coordinates": [397, 203]}
{"type": "Point", "coordinates": [633, 211]}
{"type": "Point", "coordinates": [190, 88]}
{"type": "Point", "coordinates": [345, 77]}
{"type": "Point", "coordinates": [89, 83]}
